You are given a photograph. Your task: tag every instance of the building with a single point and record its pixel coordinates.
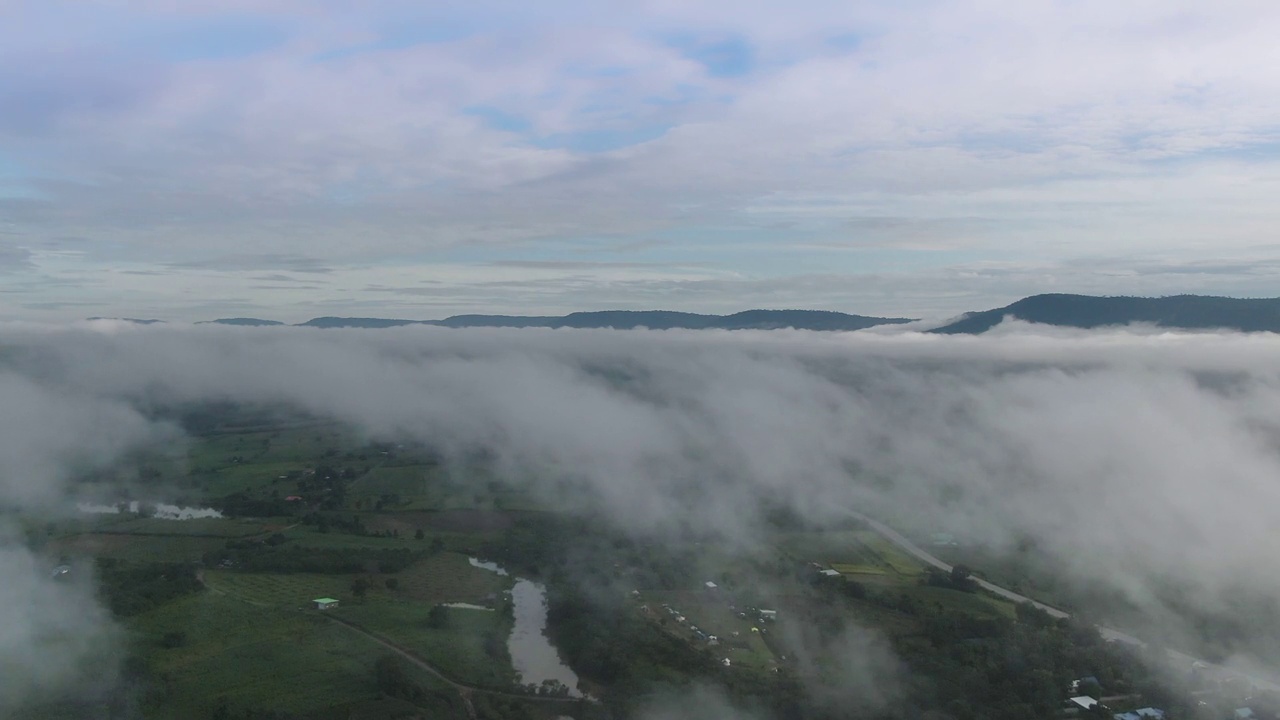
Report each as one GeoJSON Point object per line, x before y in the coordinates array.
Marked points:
{"type": "Point", "coordinates": [325, 603]}
{"type": "Point", "coordinates": [1146, 713]}
{"type": "Point", "coordinates": [768, 614]}
{"type": "Point", "coordinates": [1084, 702]}
{"type": "Point", "coordinates": [831, 573]}
{"type": "Point", "coordinates": [710, 585]}
{"type": "Point", "coordinates": [1087, 680]}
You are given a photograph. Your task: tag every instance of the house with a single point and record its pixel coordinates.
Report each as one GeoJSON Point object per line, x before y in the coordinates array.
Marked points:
{"type": "Point", "coordinates": [1146, 713]}
{"type": "Point", "coordinates": [1087, 680]}
{"type": "Point", "coordinates": [710, 585]}
{"type": "Point", "coordinates": [768, 614]}
{"type": "Point", "coordinates": [831, 573]}
{"type": "Point", "coordinates": [325, 603]}
{"type": "Point", "coordinates": [1244, 713]}
{"type": "Point", "coordinates": [293, 498]}
{"type": "Point", "coordinates": [1084, 702]}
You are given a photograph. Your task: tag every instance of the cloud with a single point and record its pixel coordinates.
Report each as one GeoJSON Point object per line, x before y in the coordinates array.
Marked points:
{"type": "Point", "coordinates": [15, 259]}
{"type": "Point", "coordinates": [379, 135]}
{"type": "Point", "coordinates": [1134, 456]}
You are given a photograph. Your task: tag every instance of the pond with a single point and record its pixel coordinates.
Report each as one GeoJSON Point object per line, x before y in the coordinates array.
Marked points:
{"type": "Point", "coordinates": [533, 656]}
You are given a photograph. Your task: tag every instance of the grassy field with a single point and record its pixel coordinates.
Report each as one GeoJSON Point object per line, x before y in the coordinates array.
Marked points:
{"type": "Point", "coordinates": [446, 577]}
{"type": "Point", "coordinates": [261, 658]}
{"type": "Point", "coordinates": [975, 603]}
{"type": "Point", "coordinates": [449, 577]}
{"type": "Point", "coordinates": [458, 648]}
{"type": "Point", "coordinates": [142, 548]}
{"type": "Point", "coordinates": [888, 554]}
{"type": "Point", "coordinates": [851, 552]}
{"type": "Point", "coordinates": [293, 590]}
{"type": "Point", "coordinates": [712, 616]}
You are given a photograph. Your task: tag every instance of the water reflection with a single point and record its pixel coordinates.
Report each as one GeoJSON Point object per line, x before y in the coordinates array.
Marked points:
{"type": "Point", "coordinates": [532, 654]}
{"type": "Point", "coordinates": [534, 658]}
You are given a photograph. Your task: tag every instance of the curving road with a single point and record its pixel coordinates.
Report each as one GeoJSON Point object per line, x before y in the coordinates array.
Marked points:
{"type": "Point", "coordinates": [926, 557]}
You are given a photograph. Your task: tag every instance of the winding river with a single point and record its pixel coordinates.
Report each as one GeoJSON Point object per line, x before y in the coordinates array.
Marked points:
{"type": "Point", "coordinates": [533, 656]}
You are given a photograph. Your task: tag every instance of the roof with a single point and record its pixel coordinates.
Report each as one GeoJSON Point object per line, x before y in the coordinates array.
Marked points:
{"type": "Point", "coordinates": [711, 585]}
{"type": "Point", "coordinates": [1150, 712]}
{"type": "Point", "coordinates": [831, 573]}
{"type": "Point", "coordinates": [325, 600]}
{"type": "Point", "coordinates": [1084, 701]}
{"type": "Point", "coordinates": [1244, 712]}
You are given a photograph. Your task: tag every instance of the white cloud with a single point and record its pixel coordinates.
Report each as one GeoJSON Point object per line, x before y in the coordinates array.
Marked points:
{"type": "Point", "coordinates": [1074, 129]}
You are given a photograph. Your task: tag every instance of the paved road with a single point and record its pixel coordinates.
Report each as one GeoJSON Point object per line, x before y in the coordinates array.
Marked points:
{"type": "Point", "coordinates": [924, 556]}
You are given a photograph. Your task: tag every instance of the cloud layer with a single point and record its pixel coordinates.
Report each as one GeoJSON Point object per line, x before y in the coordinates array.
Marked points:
{"type": "Point", "coordinates": [1134, 456]}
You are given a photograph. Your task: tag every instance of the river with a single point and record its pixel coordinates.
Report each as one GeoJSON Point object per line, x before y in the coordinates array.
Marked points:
{"type": "Point", "coordinates": [533, 656]}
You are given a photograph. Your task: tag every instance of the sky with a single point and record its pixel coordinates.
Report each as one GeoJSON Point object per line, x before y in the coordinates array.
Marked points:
{"type": "Point", "coordinates": [193, 159]}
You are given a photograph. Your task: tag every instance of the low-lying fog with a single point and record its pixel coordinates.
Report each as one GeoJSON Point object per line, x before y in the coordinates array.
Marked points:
{"type": "Point", "coordinates": [1133, 456]}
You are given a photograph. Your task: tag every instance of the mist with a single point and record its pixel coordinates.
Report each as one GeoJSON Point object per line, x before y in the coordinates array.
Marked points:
{"type": "Point", "coordinates": [1133, 457]}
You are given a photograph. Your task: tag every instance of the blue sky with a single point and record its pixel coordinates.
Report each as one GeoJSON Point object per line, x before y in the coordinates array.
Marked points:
{"type": "Point", "coordinates": [288, 159]}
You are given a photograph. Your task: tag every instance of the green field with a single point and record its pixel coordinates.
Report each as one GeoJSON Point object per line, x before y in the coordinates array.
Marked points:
{"type": "Point", "coordinates": [140, 548]}
{"type": "Point", "coordinates": [447, 577]}
{"type": "Point", "coordinates": [851, 552]}
{"type": "Point", "coordinates": [850, 569]}
{"type": "Point", "coordinates": [713, 616]}
{"type": "Point", "coordinates": [293, 590]}
{"type": "Point", "coordinates": [459, 649]}
{"type": "Point", "coordinates": [260, 658]}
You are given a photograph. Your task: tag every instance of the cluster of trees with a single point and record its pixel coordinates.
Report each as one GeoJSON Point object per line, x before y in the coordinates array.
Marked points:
{"type": "Point", "coordinates": [960, 578]}
{"type": "Point", "coordinates": [244, 504]}
{"type": "Point", "coordinates": [327, 486]}
{"type": "Point", "coordinates": [133, 588]}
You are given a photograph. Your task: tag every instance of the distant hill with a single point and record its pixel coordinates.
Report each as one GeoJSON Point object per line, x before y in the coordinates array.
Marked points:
{"type": "Point", "coordinates": [631, 319]}
{"type": "Point", "coordinates": [135, 321]}
{"type": "Point", "coordinates": [517, 321]}
{"type": "Point", "coordinates": [241, 321]}
{"type": "Point", "coordinates": [345, 322]}
{"type": "Point", "coordinates": [1188, 312]}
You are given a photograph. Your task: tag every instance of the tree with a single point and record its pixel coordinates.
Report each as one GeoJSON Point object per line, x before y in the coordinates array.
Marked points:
{"type": "Point", "coordinates": [393, 584]}
{"type": "Point", "coordinates": [438, 618]}
{"type": "Point", "coordinates": [359, 586]}
{"type": "Point", "coordinates": [418, 534]}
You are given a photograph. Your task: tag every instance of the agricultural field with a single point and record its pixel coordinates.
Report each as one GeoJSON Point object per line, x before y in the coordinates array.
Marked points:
{"type": "Point", "coordinates": [851, 552]}
{"type": "Point", "coordinates": [137, 548]}
{"type": "Point", "coordinates": [449, 577]}
{"type": "Point", "coordinates": [260, 658]}
{"type": "Point", "coordinates": [291, 590]}
{"type": "Point", "coordinates": [469, 646]}
{"type": "Point", "coordinates": [712, 615]}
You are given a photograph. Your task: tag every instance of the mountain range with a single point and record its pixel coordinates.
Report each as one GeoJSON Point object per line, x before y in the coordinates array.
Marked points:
{"type": "Point", "coordinates": [1187, 312]}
